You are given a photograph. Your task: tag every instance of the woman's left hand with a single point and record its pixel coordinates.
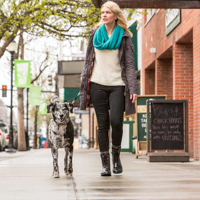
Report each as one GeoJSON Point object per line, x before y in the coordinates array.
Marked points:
{"type": "Point", "coordinates": [134, 97]}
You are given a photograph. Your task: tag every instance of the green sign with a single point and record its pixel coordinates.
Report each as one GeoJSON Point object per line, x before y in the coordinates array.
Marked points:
{"type": "Point", "coordinates": [43, 107]}
{"type": "Point", "coordinates": [71, 93]}
{"type": "Point", "coordinates": [22, 73]}
{"type": "Point", "coordinates": [142, 124]}
{"type": "Point", "coordinates": [142, 115]}
{"type": "Point", "coordinates": [127, 142]}
{"type": "Point", "coordinates": [35, 95]}
{"type": "Point", "coordinates": [133, 29]}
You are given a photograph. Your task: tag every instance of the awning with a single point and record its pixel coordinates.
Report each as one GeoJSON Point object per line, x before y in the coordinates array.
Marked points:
{"type": "Point", "coordinates": [182, 4]}
{"type": "Point", "coordinates": [70, 94]}
{"type": "Point", "coordinates": [133, 29]}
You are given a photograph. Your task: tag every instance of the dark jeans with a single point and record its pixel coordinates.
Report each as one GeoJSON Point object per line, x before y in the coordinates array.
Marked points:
{"type": "Point", "coordinates": [105, 98]}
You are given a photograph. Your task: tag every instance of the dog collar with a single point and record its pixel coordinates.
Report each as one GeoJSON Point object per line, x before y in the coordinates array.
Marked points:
{"type": "Point", "coordinates": [64, 123]}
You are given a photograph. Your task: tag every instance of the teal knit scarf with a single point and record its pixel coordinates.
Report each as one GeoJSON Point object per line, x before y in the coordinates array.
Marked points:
{"type": "Point", "coordinates": [102, 41]}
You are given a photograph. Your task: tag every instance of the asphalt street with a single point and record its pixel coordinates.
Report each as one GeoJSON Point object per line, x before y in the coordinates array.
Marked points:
{"type": "Point", "coordinates": [27, 176]}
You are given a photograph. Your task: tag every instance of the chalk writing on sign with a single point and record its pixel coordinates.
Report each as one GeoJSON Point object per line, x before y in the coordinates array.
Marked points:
{"type": "Point", "coordinates": [144, 124]}
{"type": "Point", "coordinates": [167, 126]}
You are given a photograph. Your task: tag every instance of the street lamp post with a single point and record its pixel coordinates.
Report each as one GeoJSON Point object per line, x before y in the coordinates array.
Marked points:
{"type": "Point", "coordinates": [11, 48]}
{"type": "Point", "coordinates": [27, 136]}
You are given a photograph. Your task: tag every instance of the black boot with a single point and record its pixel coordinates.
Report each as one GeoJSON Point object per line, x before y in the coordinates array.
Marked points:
{"type": "Point", "coordinates": [117, 166]}
{"type": "Point", "coordinates": [105, 158]}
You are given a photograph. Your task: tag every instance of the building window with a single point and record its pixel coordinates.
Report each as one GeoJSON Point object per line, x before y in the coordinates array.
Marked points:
{"type": "Point", "coordinates": [148, 15]}
{"type": "Point", "coordinates": [172, 19]}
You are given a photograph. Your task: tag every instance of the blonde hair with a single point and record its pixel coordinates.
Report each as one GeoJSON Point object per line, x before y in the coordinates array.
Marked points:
{"type": "Point", "coordinates": [121, 20]}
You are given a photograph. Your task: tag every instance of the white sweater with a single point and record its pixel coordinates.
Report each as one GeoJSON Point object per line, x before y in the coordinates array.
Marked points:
{"type": "Point", "coordinates": [107, 69]}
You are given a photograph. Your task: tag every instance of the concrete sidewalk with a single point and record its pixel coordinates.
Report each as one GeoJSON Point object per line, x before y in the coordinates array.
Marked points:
{"type": "Point", "coordinates": [27, 176]}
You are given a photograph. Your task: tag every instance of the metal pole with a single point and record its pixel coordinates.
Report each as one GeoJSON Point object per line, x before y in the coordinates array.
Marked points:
{"type": "Point", "coordinates": [10, 146]}
{"type": "Point", "coordinates": [186, 126]}
{"type": "Point", "coordinates": [148, 128]}
{"type": "Point", "coordinates": [35, 128]}
{"type": "Point", "coordinates": [27, 136]}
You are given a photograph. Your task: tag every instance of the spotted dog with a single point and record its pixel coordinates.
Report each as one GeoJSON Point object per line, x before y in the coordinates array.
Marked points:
{"type": "Point", "coordinates": [61, 134]}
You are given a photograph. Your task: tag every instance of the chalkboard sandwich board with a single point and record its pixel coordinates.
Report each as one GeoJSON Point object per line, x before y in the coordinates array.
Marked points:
{"type": "Point", "coordinates": [167, 130]}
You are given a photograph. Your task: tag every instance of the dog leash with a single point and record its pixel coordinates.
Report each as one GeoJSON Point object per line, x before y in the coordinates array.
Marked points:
{"type": "Point", "coordinates": [71, 103]}
{"type": "Point", "coordinates": [75, 98]}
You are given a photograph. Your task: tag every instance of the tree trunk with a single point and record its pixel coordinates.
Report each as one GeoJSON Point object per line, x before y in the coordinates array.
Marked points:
{"type": "Point", "coordinates": [21, 131]}
{"type": "Point", "coordinates": [35, 128]}
{"type": "Point", "coordinates": [6, 43]}
{"type": "Point", "coordinates": [21, 134]}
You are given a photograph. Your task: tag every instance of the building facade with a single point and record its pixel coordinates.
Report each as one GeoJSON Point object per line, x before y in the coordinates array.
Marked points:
{"type": "Point", "coordinates": [171, 62]}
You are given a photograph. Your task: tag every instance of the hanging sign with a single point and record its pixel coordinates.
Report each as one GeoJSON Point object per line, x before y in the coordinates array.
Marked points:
{"type": "Point", "coordinates": [22, 73]}
{"type": "Point", "coordinates": [43, 107]}
{"type": "Point", "coordinates": [35, 95]}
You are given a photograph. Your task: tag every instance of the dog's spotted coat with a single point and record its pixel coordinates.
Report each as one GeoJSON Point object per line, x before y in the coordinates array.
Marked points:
{"type": "Point", "coordinates": [61, 134]}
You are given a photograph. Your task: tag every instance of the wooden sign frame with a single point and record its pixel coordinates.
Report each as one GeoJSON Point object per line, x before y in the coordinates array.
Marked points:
{"type": "Point", "coordinates": [168, 155]}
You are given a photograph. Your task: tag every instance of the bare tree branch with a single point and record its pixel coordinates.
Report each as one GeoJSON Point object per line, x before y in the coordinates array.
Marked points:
{"type": "Point", "coordinates": [35, 79]}
{"type": "Point", "coordinates": [47, 57]}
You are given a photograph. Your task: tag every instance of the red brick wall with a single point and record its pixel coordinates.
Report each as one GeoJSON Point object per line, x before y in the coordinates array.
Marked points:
{"type": "Point", "coordinates": [164, 78]}
{"type": "Point", "coordinates": [153, 33]}
{"type": "Point", "coordinates": [183, 82]}
{"type": "Point", "coordinates": [150, 81]}
{"type": "Point", "coordinates": [196, 86]}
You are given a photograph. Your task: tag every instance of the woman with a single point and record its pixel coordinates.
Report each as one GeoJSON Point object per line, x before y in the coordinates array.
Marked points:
{"type": "Point", "coordinates": [108, 74]}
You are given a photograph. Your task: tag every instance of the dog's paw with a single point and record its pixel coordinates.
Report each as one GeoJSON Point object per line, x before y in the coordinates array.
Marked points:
{"type": "Point", "coordinates": [66, 172]}
{"type": "Point", "coordinates": [69, 173]}
{"type": "Point", "coordinates": [56, 175]}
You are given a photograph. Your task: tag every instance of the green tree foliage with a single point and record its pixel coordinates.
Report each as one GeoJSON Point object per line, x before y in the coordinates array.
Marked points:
{"type": "Point", "coordinates": [62, 19]}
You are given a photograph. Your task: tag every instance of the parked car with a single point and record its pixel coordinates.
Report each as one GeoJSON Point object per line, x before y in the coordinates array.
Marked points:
{"type": "Point", "coordinates": [5, 129]}
{"type": "Point", "coordinates": [6, 133]}
{"type": "Point", "coordinates": [2, 140]}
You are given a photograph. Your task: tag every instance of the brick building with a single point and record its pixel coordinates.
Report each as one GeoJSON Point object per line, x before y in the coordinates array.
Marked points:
{"type": "Point", "coordinates": [171, 62]}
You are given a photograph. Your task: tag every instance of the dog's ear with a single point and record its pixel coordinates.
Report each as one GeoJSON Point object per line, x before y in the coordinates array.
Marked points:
{"type": "Point", "coordinates": [55, 99]}
{"type": "Point", "coordinates": [50, 107]}
{"type": "Point", "coordinates": [69, 106]}
{"type": "Point", "coordinates": [52, 104]}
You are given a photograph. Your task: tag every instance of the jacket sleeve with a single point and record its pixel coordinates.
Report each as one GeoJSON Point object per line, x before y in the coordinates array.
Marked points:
{"type": "Point", "coordinates": [85, 62]}
{"type": "Point", "coordinates": [130, 66]}
{"type": "Point", "coordinates": [87, 55]}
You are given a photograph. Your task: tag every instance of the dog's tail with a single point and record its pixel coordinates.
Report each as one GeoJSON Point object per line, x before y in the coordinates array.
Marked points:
{"type": "Point", "coordinates": [75, 98]}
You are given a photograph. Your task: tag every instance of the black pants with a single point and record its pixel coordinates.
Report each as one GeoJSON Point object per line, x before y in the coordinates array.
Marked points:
{"type": "Point", "coordinates": [105, 98]}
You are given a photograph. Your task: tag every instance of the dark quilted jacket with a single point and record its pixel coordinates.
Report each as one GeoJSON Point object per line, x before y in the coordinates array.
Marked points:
{"type": "Point", "coordinates": [128, 71]}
